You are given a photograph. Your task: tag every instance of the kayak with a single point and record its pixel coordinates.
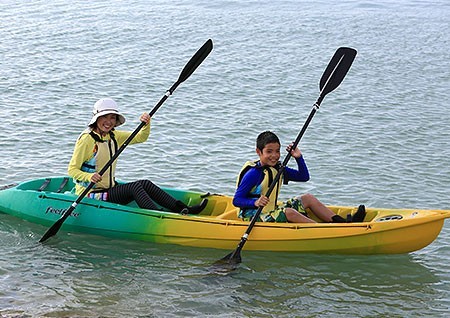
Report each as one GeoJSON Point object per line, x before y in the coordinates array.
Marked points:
{"type": "Point", "coordinates": [383, 231]}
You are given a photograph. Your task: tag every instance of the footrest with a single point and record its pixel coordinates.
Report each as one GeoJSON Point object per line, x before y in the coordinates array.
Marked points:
{"type": "Point", "coordinates": [62, 185]}
{"type": "Point", "coordinates": [45, 184]}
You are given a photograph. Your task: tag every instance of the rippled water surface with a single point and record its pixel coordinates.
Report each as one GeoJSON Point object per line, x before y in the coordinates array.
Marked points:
{"type": "Point", "coordinates": [380, 139]}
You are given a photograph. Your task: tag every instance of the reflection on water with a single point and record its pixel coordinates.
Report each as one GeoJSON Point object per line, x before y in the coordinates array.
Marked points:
{"type": "Point", "coordinates": [101, 273]}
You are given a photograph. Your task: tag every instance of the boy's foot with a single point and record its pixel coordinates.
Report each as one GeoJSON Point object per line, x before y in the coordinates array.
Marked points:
{"type": "Point", "coordinates": [338, 219]}
{"type": "Point", "coordinates": [195, 209]}
{"type": "Point", "coordinates": [360, 214]}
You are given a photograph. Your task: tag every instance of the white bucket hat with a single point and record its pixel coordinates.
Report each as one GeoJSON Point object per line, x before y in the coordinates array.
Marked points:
{"type": "Point", "coordinates": [106, 106]}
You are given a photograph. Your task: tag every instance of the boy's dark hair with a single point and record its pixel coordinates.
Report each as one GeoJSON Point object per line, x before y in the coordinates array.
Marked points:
{"type": "Point", "coordinates": [266, 137]}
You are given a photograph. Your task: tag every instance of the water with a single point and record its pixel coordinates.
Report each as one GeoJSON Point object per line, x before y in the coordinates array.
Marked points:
{"type": "Point", "coordinates": [380, 139]}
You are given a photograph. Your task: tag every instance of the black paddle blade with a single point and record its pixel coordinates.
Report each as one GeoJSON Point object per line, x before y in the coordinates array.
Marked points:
{"type": "Point", "coordinates": [57, 225]}
{"type": "Point", "coordinates": [52, 231]}
{"type": "Point", "coordinates": [231, 261]}
{"type": "Point", "coordinates": [226, 264]}
{"type": "Point", "coordinates": [336, 70]}
{"type": "Point", "coordinates": [196, 60]}
{"type": "Point", "coordinates": [233, 258]}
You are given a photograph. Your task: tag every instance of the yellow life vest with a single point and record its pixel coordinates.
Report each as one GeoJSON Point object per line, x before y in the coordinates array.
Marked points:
{"type": "Point", "coordinates": [92, 152]}
{"type": "Point", "coordinates": [104, 150]}
{"type": "Point", "coordinates": [269, 175]}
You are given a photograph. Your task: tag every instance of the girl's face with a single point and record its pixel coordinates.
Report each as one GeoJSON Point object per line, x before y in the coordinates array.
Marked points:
{"type": "Point", "coordinates": [106, 123]}
{"type": "Point", "coordinates": [270, 154]}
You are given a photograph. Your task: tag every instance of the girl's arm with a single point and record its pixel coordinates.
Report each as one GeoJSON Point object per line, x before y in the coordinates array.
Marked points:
{"type": "Point", "coordinates": [82, 152]}
{"type": "Point", "coordinates": [141, 136]}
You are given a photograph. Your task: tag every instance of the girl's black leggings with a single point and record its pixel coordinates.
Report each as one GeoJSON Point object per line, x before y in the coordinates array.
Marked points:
{"type": "Point", "coordinates": [145, 193]}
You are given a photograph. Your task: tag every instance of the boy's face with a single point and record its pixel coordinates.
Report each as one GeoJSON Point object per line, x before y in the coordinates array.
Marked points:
{"type": "Point", "coordinates": [270, 154]}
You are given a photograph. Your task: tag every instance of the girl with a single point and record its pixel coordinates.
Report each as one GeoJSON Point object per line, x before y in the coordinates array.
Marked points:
{"type": "Point", "coordinates": [94, 148]}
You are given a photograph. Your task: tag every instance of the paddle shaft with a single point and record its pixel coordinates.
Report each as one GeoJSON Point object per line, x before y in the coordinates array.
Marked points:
{"type": "Point", "coordinates": [331, 78]}
{"type": "Point", "coordinates": [190, 67]}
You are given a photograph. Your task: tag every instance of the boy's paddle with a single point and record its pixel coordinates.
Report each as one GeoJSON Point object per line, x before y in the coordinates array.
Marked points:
{"type": "Point", "coordinates": [190, 67]}
{"type": "Point", "coordinates": [334, 74]}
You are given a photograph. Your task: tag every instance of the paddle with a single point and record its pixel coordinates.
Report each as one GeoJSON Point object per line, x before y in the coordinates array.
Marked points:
{"type": "Point", "coordinates": [190, 67]}
{"type": "Point", "coordinates": [333, 75]}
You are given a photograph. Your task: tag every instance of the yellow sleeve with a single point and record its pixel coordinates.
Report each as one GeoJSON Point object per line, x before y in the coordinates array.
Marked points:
{"type": "Point", "coordinates": [82, 152]}
{"type": "Point", "coordinates": [141, 136]}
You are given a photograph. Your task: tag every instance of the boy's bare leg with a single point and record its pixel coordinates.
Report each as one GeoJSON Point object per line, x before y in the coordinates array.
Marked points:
{"type": "Point", "coordinates": [318, 208]}
{"type": "Point", "coordinates": [294, 216]}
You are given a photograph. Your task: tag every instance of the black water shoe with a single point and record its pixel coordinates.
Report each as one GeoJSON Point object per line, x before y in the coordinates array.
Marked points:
{"type": "Point", "coordinates": [338, 219]}
{"type": "Point", "coordinates": [360, 214]}
{"type": "Point", "coordinates": [195, 209]}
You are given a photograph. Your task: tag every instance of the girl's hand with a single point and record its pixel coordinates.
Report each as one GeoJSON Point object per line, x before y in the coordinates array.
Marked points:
{"type": "Point", "coordinates": [262, 201]}
{"type": "Point", "coordinates": [96, 178]}
{"type": "Point", "coordinates": [145, 118]}
{"type": "Point", "coordinates": [296, 153]}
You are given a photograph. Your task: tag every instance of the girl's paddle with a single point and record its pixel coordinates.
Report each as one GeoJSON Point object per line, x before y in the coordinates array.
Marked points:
{"type": "Point", "coordinates": [190, 67]}
{"type": "Point", "coordinates": [334, 74]}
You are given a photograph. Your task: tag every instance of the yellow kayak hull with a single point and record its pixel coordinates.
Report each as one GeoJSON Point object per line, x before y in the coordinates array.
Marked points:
{"type": "Point", "coordinates": [384, 231]}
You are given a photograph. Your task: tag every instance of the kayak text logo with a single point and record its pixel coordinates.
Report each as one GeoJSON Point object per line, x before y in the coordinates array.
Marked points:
{"type": "Point", "coordinates": [59, 211]}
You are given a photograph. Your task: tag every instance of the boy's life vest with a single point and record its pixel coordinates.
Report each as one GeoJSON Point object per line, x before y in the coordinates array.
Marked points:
{"type": "Point", "coordinates": [261, 189]}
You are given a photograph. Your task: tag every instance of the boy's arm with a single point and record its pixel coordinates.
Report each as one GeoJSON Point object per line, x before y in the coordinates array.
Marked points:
{"type": "Point", "coordinates": [301, 174]}
{"type": "Point", "coordinates": [242, 198]}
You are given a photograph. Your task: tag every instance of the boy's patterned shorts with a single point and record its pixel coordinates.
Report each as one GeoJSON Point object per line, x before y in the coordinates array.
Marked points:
{"type": "Point", "coordinates": [278, 215]}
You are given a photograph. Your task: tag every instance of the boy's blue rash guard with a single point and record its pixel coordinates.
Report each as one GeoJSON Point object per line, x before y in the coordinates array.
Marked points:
{"type": "Point", "coordinates": [254, 176]}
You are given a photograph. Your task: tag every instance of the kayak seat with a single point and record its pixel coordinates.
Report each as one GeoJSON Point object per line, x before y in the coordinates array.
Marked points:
{"type": "Point", "coordinates": [217, 207]}
{"type": "Point", "coordinates": [217, 204]}
{"type": "Point", "coordinates": [229, 215]}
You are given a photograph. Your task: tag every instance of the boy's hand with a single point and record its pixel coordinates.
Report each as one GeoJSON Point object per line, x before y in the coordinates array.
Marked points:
{"type": "Point", "coordinates": [296, 153]}
{"type": "Point", "coordinates": [262, 201]}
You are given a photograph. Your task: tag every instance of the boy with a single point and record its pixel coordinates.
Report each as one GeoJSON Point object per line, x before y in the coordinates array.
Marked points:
{"type": "Point", "coordinates": [255, 178]}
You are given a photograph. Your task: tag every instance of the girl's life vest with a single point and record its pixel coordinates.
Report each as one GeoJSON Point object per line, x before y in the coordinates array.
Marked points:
{"type": "Point", "coordinates": [102, 152]}
{"type": "Point", "coordinates": [92, 153]}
